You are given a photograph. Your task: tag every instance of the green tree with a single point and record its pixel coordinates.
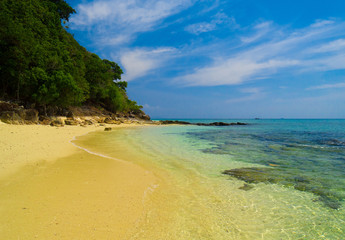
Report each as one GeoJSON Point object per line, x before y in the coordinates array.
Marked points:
{"type": "Point", "coordinates": [41, 63]}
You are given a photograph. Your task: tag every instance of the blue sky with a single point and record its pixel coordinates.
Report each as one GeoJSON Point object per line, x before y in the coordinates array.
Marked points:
{"type": "Point", "coordinates": [222, 59]}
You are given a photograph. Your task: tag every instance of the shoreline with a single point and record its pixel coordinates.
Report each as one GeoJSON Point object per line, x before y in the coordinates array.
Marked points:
{"type": "Point", "coordinates": [51, 188]}
{"type": "Point", "coordinates": [22, 145]}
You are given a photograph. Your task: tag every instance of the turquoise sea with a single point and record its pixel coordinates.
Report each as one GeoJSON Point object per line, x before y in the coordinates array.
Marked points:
{"type": "Point", "coordinates": [270, 179]}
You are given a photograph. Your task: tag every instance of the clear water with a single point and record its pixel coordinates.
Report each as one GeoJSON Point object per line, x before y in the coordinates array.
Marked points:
{"type": "Point", "coordinates": [286, 178]}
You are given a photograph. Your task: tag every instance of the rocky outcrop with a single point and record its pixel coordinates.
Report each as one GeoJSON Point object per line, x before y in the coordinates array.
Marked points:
{"type": "Point", "coordinates": [71, 122]}
{"type": "Point", "coordinates": [220, 124]}
{"type": "Point", "coordinates": [57, 122]}
{"type": "Point", "coordinates": [12, 113]}
{"type": "Point", "coordinates": [11, 117]}
{"type": "Point", "coordinates": [112, 120]}
{"type": "Point", "coordinates": [31, 116]}
{"type": "Point", "coordinates": [166, 122]}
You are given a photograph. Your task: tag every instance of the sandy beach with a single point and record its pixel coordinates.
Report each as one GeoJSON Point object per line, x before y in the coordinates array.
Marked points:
{"type": "Point", "coordinates": [50, 189]}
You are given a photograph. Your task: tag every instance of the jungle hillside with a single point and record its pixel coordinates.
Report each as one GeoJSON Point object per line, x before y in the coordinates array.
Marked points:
{"type": "Point", "coordinates": [42, 65]}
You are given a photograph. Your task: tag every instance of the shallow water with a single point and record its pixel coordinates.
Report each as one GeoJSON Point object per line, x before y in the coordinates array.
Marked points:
{"type": "Point", "coordinates": [294, 188]}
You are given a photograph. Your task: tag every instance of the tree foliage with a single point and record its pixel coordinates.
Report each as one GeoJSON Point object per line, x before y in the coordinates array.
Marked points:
{"type": "Point", "coordinates": [41, 63]}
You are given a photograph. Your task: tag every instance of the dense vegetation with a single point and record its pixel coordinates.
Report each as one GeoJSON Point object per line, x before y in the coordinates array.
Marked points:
{"type": "Point", "coordinates": [42, 64]}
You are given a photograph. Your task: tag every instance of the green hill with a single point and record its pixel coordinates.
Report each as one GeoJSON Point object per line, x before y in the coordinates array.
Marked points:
{"type": "Point", "coordinates": [42, 65]}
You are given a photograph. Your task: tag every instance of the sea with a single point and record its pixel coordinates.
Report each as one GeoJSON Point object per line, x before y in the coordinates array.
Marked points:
{"type": "Point", "coordinates": [269, 179]}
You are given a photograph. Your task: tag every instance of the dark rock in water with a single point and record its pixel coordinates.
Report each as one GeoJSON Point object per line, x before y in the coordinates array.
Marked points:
{"type": "Point", "coordinates": [220, 124]}
{"type": "Point", "coordinates": [107, 129]}
{"type": "Point", "coordinates": [252, 175]}
{"type": "Point", "coordinates": [334, 142]}
{"type": "Point", "coordinates": [301, 179]}
{"type": "Point", "coordinates": [330, 202]}
{"type": "Point", "coordinates": [246, 187]}
{"type": "Point", "coordinates": [277, 176]}
{"type": "Point", "coordinates": [201, 124]}
{"type": "Point", "coordinates": [174, 122]}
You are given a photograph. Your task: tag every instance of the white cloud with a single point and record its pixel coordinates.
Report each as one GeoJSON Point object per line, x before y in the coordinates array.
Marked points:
{"type": "Point", "coordinates": [327, 86]}
{"type": "Point", "coordinates": [283, 50]}
{"type": "Point", "coordinates": [261, 29]}
{"type": "Point", "coordinates": [116, 40]}
{"type": "Point", "coordinates": [122, 19]}
{"type": "Point", "coordinates": [150, 107]}
{"type": "Point", "coordinates": [233, 71]}
{"type": "Point", "coordinates": [336, 45]}
{"type": "Point", "coordinates": [140, 62]}
{"type": "Point", "coordinates": [219, 19]}
{"type": "Point", "coordinates": [252, 95]}
{"type": "Point", "coordinates": [145, 13]}
{"type": "Point", "coordinates": [321, 23]}
{"type": "Point", "coordinates": [201, 27]}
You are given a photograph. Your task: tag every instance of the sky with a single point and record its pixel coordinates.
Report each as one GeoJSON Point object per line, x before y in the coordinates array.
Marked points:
{"type": "Point", "coordinates": [222, 59]}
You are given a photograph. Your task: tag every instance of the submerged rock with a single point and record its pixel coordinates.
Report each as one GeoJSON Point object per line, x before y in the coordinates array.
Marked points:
{"type": "Point", "coordinates": [252, 175]}
{"type": "Point", "coordinates": [107, 129]}
{"type": "Point", "coordinates": [246, 187]}
{"type": "Point", "coordinates": [277, 176]}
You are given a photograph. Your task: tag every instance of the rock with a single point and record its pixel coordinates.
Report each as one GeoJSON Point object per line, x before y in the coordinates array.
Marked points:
{"type": "Point", "coordinates": [165, 122]}
{"type": "Point", "coordinates": [107, 129]}
{"type": "Point", "coordinates": [71, 122]}
{"type": "Point", "coordinates": [100, 119]}
{"type": "Point", "coordinates": [145, 117]}
{"type": "Point", "coordinates": [6, 106]}
{"type": "Point", "coordinates": [44, 120]}
{"type": "Point", "coordinates": [21, 112]}
{"type": "Point", "coordinates": [88, 122]}
{"type": "Point", "coordinates": [252, 175]}
{"type": "Point", "coordinates": [31, 116]}
{"type": "Point", "coordinates": [275, 175]}
{"type": "Point", "coordinates": [58, 122]}
{"type": "Point", "coordinates": [246, 187]}
{"type": "Point", "coordinates": [11, 117]}
{"type": "Point", "coordinates": [200, 124]}
{"type": "Point", "coordinates": [109, 120]}
{"type": "Point", "coordinates": [70, 114]}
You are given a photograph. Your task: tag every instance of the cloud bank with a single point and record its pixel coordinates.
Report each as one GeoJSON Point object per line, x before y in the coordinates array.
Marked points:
{"type": "Point", "coordinates": [272, 49]}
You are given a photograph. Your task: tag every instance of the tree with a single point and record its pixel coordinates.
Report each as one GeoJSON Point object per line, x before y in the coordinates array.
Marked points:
{"type": "Point", "coordinates": [41, 63]}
